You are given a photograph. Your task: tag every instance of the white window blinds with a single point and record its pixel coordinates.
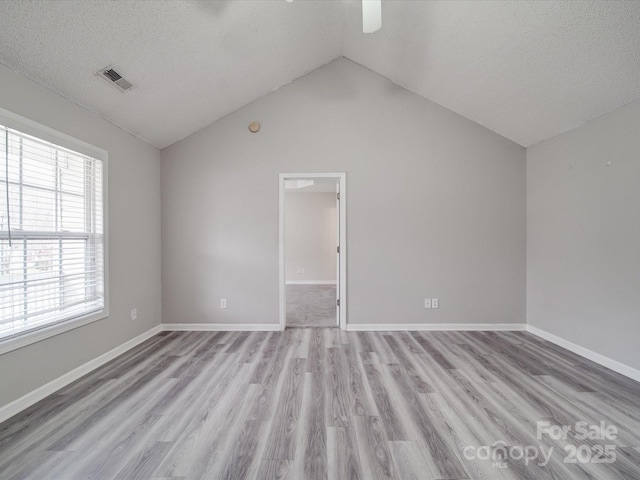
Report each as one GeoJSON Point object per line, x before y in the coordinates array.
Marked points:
{"type": "Point", "coordinates": [51, 234]}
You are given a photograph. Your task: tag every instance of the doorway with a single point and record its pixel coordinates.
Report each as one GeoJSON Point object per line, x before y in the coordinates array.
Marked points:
{"type": "Point", "coordinates": [312, 250]}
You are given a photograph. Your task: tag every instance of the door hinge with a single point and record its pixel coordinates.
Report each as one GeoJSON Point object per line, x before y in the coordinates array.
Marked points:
{"type": "Point", "coordinates": [338, 302]}
{"type": "Point", "coordinates": [338, 196]}
{"type": "Point", "coordinates": [338, 249]}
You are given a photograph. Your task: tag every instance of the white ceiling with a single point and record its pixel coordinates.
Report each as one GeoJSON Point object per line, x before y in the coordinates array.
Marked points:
{"type": "Point", "coordinates": [527, 70]}
{"type": "Point", "coordinates": [320, 185]}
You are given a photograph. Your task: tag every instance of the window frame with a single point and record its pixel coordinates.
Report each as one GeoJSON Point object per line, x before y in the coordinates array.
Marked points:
{"type": "Point", "coordinates": [30, 127]}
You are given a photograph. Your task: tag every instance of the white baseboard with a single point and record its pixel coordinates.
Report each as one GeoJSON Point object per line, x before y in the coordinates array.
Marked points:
{"type": "Point", "coordinates": [433, 327]}
{"type": "Point", "coordinates": [311, 282]}
{"type": "Point", "coordinates": [610, 363]}
{"type": "Point", "coordinates": [24, 402]}
{"type": "Point", "coordinates": [220, 327]}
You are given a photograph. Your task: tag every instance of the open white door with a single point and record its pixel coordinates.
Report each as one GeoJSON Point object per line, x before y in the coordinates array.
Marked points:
{"type": "Point", "coordinates": [338, 276]}
{"type": "Point", "coordinates": [341, 244]}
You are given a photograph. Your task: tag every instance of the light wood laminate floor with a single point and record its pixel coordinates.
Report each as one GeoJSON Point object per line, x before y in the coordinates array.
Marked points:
{"type": "Point", "coordinates": [328, 404]}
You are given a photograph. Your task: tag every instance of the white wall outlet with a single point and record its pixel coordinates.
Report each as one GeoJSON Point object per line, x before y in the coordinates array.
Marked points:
{"type": "Point", "coordinates": [434, 303]}
{"type": "Point", "coordinates": [427, 303]}
{"type": "Point", "coordinates": [134, 314]}
{"type": "Point", "coordinates": [302, 270]}
{"type": "Point", "coordinates": [223, 303]}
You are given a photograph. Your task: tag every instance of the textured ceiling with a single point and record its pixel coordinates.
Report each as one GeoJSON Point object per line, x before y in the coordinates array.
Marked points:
{"type": "Point", "coordinates": [191, 62]}
{"type": "Point", "coordinates": [320, 185]}
{"type": "Point", "coordinates": [527, 70]}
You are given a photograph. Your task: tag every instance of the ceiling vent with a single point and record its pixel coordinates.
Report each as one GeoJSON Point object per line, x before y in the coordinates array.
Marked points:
{"type": "Point", "coordinates": [114, 78]}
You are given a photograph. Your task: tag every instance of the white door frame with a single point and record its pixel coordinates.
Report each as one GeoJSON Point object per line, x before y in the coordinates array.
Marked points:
{"type": "Point", "coordinates": [342, 281]}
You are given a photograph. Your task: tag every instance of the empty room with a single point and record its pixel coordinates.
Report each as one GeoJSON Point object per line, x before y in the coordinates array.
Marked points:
{"type": "Point", "coordinates": [319, 239]}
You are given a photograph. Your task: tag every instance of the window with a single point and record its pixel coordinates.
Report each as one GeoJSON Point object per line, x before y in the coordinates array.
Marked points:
{"type": "Point", "coordinates": [52, 242]}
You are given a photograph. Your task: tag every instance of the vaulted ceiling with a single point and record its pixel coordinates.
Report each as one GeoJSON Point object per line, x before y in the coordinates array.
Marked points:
{"type": "Point", "coordinates": [527, 70]}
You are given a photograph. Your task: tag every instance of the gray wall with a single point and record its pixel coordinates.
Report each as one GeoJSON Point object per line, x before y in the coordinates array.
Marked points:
{"type": "Point", "coordinates": [310, 236]}
{"type": "Point", "coordinates": [435, 205]}
{"type": "Point", "coordinates": [134, 240]}
{"type": "Point", "coordinates": [583, 235]}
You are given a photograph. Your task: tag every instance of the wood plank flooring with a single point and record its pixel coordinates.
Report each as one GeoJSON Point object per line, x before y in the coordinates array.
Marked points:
{"type": "Point", "coordinates": [327, 404]}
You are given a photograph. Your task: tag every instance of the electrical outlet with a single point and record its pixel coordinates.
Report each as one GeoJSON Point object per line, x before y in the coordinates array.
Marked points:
{"type": "Point", "coordinates": [427, 303]}
{"type": "Point", "coordinates": [134, 314]}
{"type": "Point", "coordinates": [302, 270]}
{"type": "Point", "coordinates": [223, 303]}
{"type": "Point", "coordinates": [434, 303]}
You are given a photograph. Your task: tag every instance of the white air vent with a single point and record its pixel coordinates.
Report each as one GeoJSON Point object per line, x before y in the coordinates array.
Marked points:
{"type": "Point", "coordinates": [114, 78]}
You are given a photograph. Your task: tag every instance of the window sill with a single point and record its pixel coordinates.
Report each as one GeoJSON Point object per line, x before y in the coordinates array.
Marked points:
{"type": "Point", "coordinates": [35, 336]}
